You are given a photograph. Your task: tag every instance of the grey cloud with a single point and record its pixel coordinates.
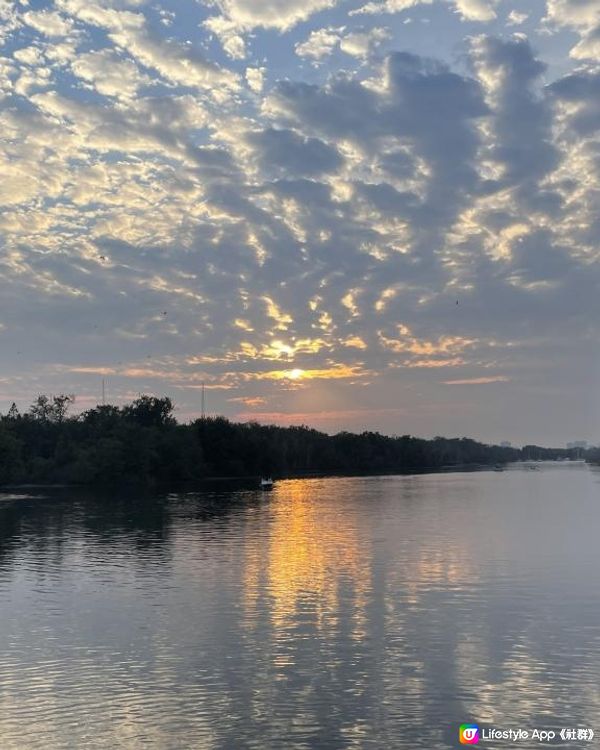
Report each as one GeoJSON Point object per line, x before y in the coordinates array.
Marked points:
{"type": "Point", "coordinates": [536, 258]}
{"type": "Point", "coordinates": [398, 164]}
{"type": "Point", "coordinates": [343, 109]}
{"type": "Point", "coordinates": [216, 164]}
{"type": "Point", "coordinates": [287, 151]}
{"type": "Point", "coordinates": [386, 199]}
{"type": "Point", "coordinates": [521, 117]}
{"type": "Point", "coordinates": [424, 107]}
{"type": "Point", "coordinates": [581, 88]}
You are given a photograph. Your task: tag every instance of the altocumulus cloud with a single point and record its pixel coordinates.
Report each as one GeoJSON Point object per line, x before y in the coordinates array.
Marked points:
{"type": "Point", "coordinates": [279, 200]}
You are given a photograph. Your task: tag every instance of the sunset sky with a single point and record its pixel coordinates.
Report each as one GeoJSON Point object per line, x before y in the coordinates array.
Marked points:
{"type": "Point", "coordinates": [351, 214]}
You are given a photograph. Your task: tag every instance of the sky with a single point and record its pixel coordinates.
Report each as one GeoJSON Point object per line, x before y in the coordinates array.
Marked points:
{"type": "Point", "coordinates": [350, 214]}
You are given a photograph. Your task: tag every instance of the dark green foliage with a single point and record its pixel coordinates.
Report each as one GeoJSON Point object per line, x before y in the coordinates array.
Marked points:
{"type": "Point", "coordinates": [11, 466]}
{"type": "Point", "coordinates": [149, 411]}
{"type": "Point", "coordinates": [142, 441]}
{"type": "Point", "coordinates": [13, 412]}
{"type": "Point", "coordinates": [45, 409]}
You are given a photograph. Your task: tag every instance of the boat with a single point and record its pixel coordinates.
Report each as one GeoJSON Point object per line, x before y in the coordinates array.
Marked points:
{"type": "Point", "coordinates": [498, 467]}
{"type": "Point", "coordinates": [266, 483]}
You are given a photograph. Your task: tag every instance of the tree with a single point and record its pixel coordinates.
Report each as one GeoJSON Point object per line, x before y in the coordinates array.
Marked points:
{"type": "Point", "coordinates": [149, 411]}
{"type": "Point", "coordinates": [142, 441]}
{"type": "Point", "coordinates": [10, 457]}
{"type": "Point", "coordinates": [13, 412]}
{"type": "Point", "coordinates": [45, 409]}
{"type": "Point", "coordinates": [60, 407]}
{"type": "Point", "coordinates": [41, 409]}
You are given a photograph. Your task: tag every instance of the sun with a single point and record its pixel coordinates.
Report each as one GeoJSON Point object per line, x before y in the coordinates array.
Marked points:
{"type": "Point", "coordinates": [295, 374]}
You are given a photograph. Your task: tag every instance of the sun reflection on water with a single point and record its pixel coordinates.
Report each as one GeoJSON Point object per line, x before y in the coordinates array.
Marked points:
{"type": "Point", "coordinates": [311, 560]}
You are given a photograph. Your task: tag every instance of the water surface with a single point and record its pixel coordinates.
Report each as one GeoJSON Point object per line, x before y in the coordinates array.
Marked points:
{"type": "Point", "coordinates": [330, 613]}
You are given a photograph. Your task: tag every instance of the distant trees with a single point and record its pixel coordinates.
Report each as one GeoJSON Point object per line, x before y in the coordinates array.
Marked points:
{"type": "Point", "coordinates": [48, 409]}
{"type": "Point", "coordinates": [143, 441]}
{"type": "Point", "coordinates": [150, 411]}
{"type": "Point", "coordinates": [13, 412]}
{"type": "Point", "coordinates": [11, 467]}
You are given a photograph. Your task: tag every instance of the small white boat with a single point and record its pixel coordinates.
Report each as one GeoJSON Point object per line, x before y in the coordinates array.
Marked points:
{"type": "Point", "coordinates": [266, 484]}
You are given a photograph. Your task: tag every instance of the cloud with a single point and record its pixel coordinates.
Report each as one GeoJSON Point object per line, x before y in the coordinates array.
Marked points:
{"type": "Point", "coordinates": [255, 78]}
{"type": "Point", "coordinates": [404, 112]}
{"type": "Point", "coordinates": [252, 402]}
{"type": "Point", "coordinates": [318, 418]}
{"type": "Point", "coordinates": [478, 381]}
{"type": "Point", "coordinates": [167, 228]}
{"type": "Point", "coordinates": [521, 119]}
{"type": "Point", "coordinates": [388, 6]}
{"type": "Point", "coordinates": [476, 10]}
{"type": "Point", "coordinates": [109, 74]}
{"type": "Point", "coordinates": [227, 32]}
{"type": "Point", "coordinates": [516, 18]}
{"type": "Point", "coordinates": [469, 10]}
{"type": "Point", "coordinates": [129, 32]}
{"type": "Point", "coordinates": [579, 92]}
{"type": "Point", "coordinates": [589, 46]}
{"type": "Point", "coordinates": [287, 152]}
{"type": "Point", "coordinates": [446, 351]}
{"type": "Point", "coordinates": [274, 14]}
{"type": "Point", "coordinates": [336, 372]}
{"type": "Point", "coordinates": [28, 55]}
{"type": "Point", "coordinates": [9, 19]}
{"type": "Point", "coordinates": [320, 43]}
{"type": "Point", "coordinates": [238, 17]}
{"type": "Point", "coordinates": [49, 23]}
{"type": "Point", "coordinates": [584, 17]}
{"type": "Point", "coordinates": [360, 42]}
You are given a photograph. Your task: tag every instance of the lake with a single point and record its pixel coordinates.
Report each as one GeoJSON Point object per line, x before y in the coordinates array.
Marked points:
{"type": "Point", "coordinates": [378, 612]}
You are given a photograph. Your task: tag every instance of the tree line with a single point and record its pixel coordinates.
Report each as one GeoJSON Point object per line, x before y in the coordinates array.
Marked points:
{"type": "Point", "coordinates": [143, 441]}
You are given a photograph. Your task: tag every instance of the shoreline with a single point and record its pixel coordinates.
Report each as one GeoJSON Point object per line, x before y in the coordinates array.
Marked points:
{"type": "Point", "coordinates": [254, 478]}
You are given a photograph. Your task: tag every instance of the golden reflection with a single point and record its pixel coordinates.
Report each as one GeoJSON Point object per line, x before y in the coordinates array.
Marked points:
{"type": "Point", "coordinates": [448, 569]}
{"type": "Point", "coordinates": [312, 560]}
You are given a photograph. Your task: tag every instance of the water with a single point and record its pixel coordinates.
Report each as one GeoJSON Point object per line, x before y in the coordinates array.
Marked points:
{"type": "Point", "coordinates": [330, 613]}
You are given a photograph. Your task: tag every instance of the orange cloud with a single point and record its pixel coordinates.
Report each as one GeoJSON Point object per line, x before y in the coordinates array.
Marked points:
{"type": "Point", "coordinates": [454, 362]}
{"type": "Point", "coordinates": [355, 342]}
{"type": "Point", "coordinates": [337, 372]}
{"type": "Point", "coordinates": [431, 353]}
{"type": "Point", "coordinates": [478, 381]}
{"type": "Point", "coordinates": [93, 370]}
{"type": "Point", "coordinates": [249, 401]}
{"type": "Point", "coordinates": [412, 345]}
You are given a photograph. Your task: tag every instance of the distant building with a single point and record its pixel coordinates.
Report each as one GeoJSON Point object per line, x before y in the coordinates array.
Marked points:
{"type": "Point", "coordinates": [583, 444]}
{"type": "Point", "coordinates": [506, 444]}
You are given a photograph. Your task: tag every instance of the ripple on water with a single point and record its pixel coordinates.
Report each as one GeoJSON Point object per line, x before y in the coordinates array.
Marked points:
{"type": "Point", "coordinates": [332, 613]}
